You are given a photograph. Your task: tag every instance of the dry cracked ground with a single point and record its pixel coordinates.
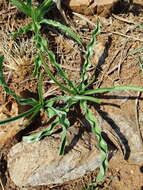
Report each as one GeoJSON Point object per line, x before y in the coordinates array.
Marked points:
{"type": "Point", "coordinates": [117, 60]}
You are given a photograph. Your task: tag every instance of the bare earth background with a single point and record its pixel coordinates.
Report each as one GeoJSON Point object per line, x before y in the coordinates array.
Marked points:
{"type": "Point", "coordinates": [121, 34]}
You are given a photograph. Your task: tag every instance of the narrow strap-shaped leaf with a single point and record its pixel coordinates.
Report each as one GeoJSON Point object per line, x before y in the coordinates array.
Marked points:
{"type": "Point", "coordinates": [37, 66]}
{"type": "Point", "coordinates": [1, 60]}
{"type": "Point", "coordinates": [42, 45]}
{"type": "Point", "coordinates": [55, 80]}
{"type": "Point", "coordinates": [89, 54]}
{"type": "Point", "coordinates": [40, 80]}
{"type": "Point", "coordinates": [35, 18]}
{"type": "Point", "coordinates": [57, 98]}
{"type": "Point", "coordinates": [63, 141]}
{"type": "Point", "coordinates": [45, 3]}
{"type": "Point", "coordinates": [28, 101]}
{"type": "Point", "coordinates": [70, 100]}
{"type": "Point", "coordinates": [61, 72]}
{"type": "Point", "coordinates": [73, 99]}
{"type": "Point", "coordinates": [22, 7]}
{"type": "Point", "coordinates": [114, 88]}
{"type": "Point", "coordinates": [60, 120]}
{"type": "Point", "coordinates": [49, 111]}
{"type": "Point", "coordinates": [45, 132]}
{"type": "Point", "coordinates": [22, 30]}
{"type": "Point", "coordinates": [22, 101]}
{"type": "Point", "coordinates": [64, 123]}
{"type": "Point", "coordinates": [88, 98]}
{"type": "Point", "coordinates": [64, 28]}
{"type": "Point", "coordinates": [29, 2]}
{"type": "Point", "coordinates": [49, 103]}
{"type": "Point", "coordinates": [44, 7]}
{"type": "Point", "coordinates": [101, 143]}
{"type": "Point", "coordinates": [25, 114]}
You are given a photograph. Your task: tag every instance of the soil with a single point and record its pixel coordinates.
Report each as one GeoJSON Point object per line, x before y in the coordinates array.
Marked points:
{"type": "Point", "coordinates": [122, 34]}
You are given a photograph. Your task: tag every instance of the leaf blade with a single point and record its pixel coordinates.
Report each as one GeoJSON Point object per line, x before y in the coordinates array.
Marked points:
{"type": "Point", "coordinates": [22, 101]}
{"type": "Point", "coordinates": [22, 7]}
{"type": "Point", "coordinates": [64, 28]}
{"type": "Point", "coordinates": [87, 62]}
{"type": "Point", "coordinates": [114, 88]}
{"type": "Point", "coordinates": [101, 143]}
{"type": "Point", "coordinates": [25, 114]}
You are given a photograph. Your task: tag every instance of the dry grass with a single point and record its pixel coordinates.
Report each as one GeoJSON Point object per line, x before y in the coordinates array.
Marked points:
{"type": "Point", "coordinates": [19, 55]}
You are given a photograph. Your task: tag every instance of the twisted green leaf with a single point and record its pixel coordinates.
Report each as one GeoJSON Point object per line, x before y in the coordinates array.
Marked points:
{"type": "Point", "coordinates": [64, 28]}
{"type": "Point", "coordinates": [41, 99]}
{"type": "Point", "coordinates": [37, 66]}
{"type": "Point", "coordinates": [101, 143]}
{"type": "Point", "coordinates": [54, 79]}
{"type": "Point", "coordinates": [61, 73]}
{"type": "Point", "coordinates": [64, 123]}
{"type": "Point", "coordinates": [60, 120]}
{"type": "Point", "coordinates": [45, 132]}
{"type": "Point", "coordinates": [89, 54]}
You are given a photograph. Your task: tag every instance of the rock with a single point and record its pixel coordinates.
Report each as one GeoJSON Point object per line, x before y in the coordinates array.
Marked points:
{"type": "Point", "coordinates": [126, 132]}
{"type": "Point", "coordinates": [33, 164]}
{"type": "Point", "coordinates": [89, 7]}
{"type": "Point", "coordinates": [1, 2]}
{"type": "Point", "coordinates": [138, 2]}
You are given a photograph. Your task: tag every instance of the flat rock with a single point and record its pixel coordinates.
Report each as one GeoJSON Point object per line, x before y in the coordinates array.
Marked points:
{"type": "Point", "coordinates": [138, 2]}
{"type": "Point", "coordinates": [126, 133]}
{"type": "Point", "coordinates": [89, 7]}
{"type": "Point", "coordinates": [33, 164]}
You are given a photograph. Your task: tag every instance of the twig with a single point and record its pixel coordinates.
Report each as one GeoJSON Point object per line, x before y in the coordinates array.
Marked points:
{"type": "Point", "coordinates": [2, 186]}
{"type": "Point", "coordinates": [116, 67]}
{"type": "Point", "coordinates": [137, 116]}
{"type": "Point", "coordinates": [124, 35]}
{"type": "Point", "coordinates": [123, 58]}
{"type": "Point", "coordinates": [50, 92]}
{"type": "Point", "coordinates": [84, 18]}
{"type": "Point", "coordinates": [124, 19]}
